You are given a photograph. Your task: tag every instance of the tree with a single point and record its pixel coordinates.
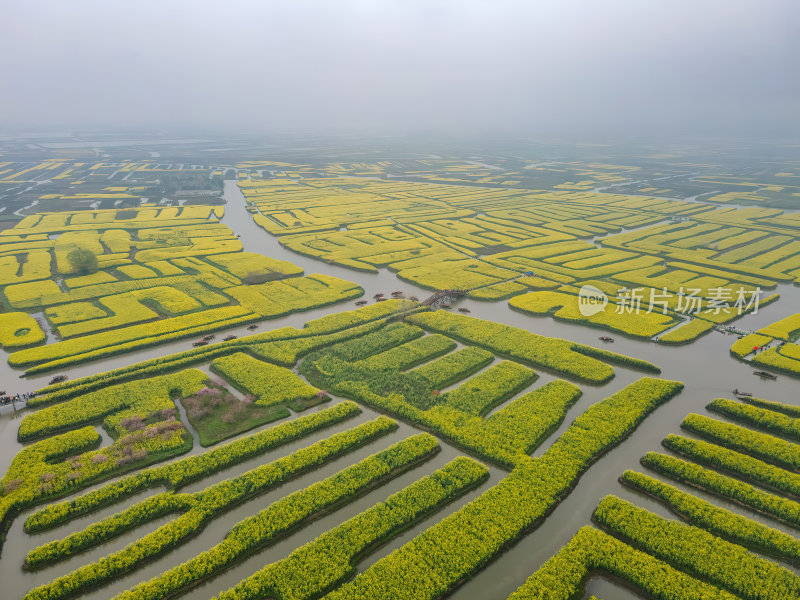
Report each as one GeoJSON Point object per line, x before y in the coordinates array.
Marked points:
{"type": "Point", "coordinates": [82, 260]}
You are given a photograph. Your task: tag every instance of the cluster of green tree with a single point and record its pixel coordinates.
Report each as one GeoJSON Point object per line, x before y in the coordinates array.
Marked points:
{"type": "Point", "coordinates": [83, 260]}
{"type": "Point", "coordinates": [698, 552]}
{"type": "Point", "coordinates": [320, 565]}
{"type": "Point", "coordinates": [723, 486]}
{"type": "Point", "coordinates": [207, 505]}
{"type": "Point", "coordinates": [189, 469]}
{"type": "Point", "coordinates": [195, 179]}
{"type": "Point", "coordinates": [719, 521]}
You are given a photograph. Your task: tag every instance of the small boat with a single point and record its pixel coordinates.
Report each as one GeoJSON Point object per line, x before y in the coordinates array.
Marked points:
{"type": "Point", "coordinates": [58, 379]}
{"type": "Point", "coordinates": [605, 338]}
{"type": "Point", "coordinates": [414, 298]}
{"type": "Point", "coordinates": [463, 309]}
{"type": "Point", "coordinates": [2, 392]}
{"type": "Point", "coordinates": [361, 302]}
{"type": "Point", "coordinates": [200, 343]}
{"type": "Point", "coordinates": [228, 338]}
{"type": "Point", "coordinates": [253, 326]}
{"type": "Point", "coordinates": [397, 292]}
{"type": "Point", "coordinates": [445, 305]}
{"type": "Point", "coordinates": [380, 299]}
{"type": "Point", "coordinates": [208, 338]}
{"type": "Point", "coordinates": [378, 295]}
{"type": "Point", "coordinates": [765, 375]}
{"type": "Point", "coordinates": [736, 392]}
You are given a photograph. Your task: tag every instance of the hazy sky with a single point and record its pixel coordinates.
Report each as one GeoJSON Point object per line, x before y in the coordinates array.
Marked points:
{"type": "Point", "coordinates": [562, 67]}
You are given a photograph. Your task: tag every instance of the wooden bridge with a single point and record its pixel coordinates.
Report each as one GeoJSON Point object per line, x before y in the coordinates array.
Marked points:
{"type": "Point", "coordinates": [442, 296]}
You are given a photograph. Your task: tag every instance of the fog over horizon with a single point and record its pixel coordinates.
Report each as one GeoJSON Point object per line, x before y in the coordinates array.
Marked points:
{"type": "Point", "coordinates": [571, 69]}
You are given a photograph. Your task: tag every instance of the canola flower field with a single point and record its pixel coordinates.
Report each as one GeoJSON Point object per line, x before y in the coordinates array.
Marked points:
{"type": "Point", "coordinates": [539, 248]}
{"type": "Point", "coordinates": [367, 355]}
{"type": "Point", "coordinates": [444, 374]}
{"type": "Point", "coordinates": [712, 552]}
{"type": "Point", "coordinates": [397, 450]}
{"type": "Point", "coordinates": [771, 347]}
{"type": "Point", "coordinates": [161, 274]}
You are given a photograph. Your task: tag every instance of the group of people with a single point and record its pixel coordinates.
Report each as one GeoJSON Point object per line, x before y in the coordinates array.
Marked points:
{"type": "Point", "coordinates": [6, 399]}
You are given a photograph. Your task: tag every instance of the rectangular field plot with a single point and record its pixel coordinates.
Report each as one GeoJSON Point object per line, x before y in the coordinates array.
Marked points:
{"type": "Point", "coordinates": [399, 451]}
{"type": "Point", "coordinates": [141, 277]}
{"type": "Point", "coordinates": [493, 238]}
{"type": "Point", "coordinates": [711, 551]}
{"type": "Point", "coordinates": [373, 369]}
{"type": "Point", "coordinates": [394, 479]}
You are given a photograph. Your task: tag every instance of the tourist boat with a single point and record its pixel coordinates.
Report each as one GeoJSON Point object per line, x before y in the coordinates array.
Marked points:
{"type": "Point", "coordinates": [200, 343]}
{"type": "Point", "coordinates": [397, 293]}
{"type": "Point", "coordinates": [380, 299]}
{"type": "Point", "coordinates": [605, 338]}
{"type": "Point", "coordinates": [208, 338]}
{"type": "Point", "coordinates": [378, 295]}
{"type": "Point", "coordinates": [414, 298]}
{"type": "Point", "coordinates": [58, 379]}
{"type": "Point", "coordinates": [463, 309]}
{"type": "Point", "coordinates": [228, 338]}
{"type": "Point", "coordinates": [361, 302]}
{"type": "Point", "coordinates": [736, 392]}
{"type": "Point", "coordinates": [765, 375]}
{"type": "Point", "coordinates": [253, 326]}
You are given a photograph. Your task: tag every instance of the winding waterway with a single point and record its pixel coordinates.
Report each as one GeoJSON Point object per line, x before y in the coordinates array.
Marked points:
{"type": "Point", "coordinates": [706, 368]}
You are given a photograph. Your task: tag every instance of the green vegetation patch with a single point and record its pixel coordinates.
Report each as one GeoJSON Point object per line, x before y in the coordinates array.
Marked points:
{"type": "Point", "coordinates": [216, 414]}
{"type": "Point", "coordinates": [696, 551]}
{"type": "Point", "coordinates": [123, 408]}
{"type": "Point", "coordinates": [269, 384]}
{"type": "Point", "coordinates": [445, 554]}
